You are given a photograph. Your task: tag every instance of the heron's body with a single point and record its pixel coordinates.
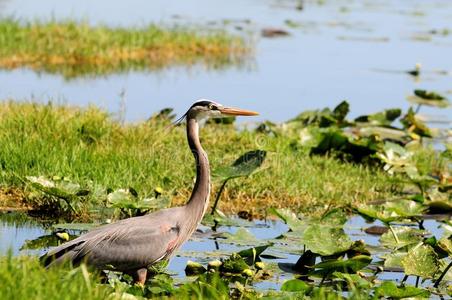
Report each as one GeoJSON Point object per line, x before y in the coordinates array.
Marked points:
{"type": "Point", "coordinates": [132, 245]}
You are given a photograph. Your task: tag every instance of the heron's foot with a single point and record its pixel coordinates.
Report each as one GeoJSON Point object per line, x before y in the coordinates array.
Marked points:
{"type": "Point", "coordinates": [141, 276]}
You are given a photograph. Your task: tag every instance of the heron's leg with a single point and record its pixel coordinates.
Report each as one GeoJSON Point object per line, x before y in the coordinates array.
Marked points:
{"type": "Point", "coordinates": [140, 276]}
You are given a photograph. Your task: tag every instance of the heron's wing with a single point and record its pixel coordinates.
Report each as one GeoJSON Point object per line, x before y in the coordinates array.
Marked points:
{"type": "Point", "coordinates": [127, 244]}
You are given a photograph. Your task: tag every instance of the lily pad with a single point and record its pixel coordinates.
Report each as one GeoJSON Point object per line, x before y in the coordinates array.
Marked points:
{"type": "Point", "coordinates": [242, 237]}
{"type": "Point", "coordinates": [429, 98]}
{"type": "Point", "coordinates": [405, 236]}
{"type": "Point", "coordinates": [391, 290]}
{"type": "Point", "coordinates": [394, 260]}
{"type": "Point", "coordinates": [74, 226]}
{"type": "Point", "coordinates": [391, 210]}
{"type": "Point", "coordinates": [326, 240]}
{"type": "Point", "coordinates": [290, 218]}
{"type": "Point", "coordinates": [295, 285]}
{"type": "Point", "coordinates": [421, 261]}
{"type": "Point", "coordinates": [445, 243]}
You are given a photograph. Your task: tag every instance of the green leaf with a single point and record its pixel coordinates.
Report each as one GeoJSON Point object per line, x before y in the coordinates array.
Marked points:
{"type": "Point", "coordinates": [241, 237]}
{"type": "Point", "coordinates": [234, 264]}
{"type": "Point", "coordinates": [413, 124]}
{"type": "Point", "coordinates": [253, 252]}
{"type": "Point", "coordinates": [326, 240]}
{"type": "Point", "coordinates": [290, 218]}
{"type": "Point", "coordinates": [405, 235]}
{"type": "Point", "coordinates": [445, 243]}
{"type": "Point", "coordinates": [394, 260]}
{"type": "Point", "coordinates": [295, 285]}
{"type": "Point", "coordinates": [384, 118]}
{"type": "Point", "coordinates": [421, 261]}
{"type": "Point", "coordinates": [391, 210]}
{"type": "Point", "coordinates": [334, 217]}
{"type": "Point", "coordinates": [424, 97]}
{"type": "Point", "coordinates": [390, 289]}
{"type": "Point", "coordinates": [353, 280]}
{"type": "Point", "coordinates": [194, 268]}
{"type": "Point", "coordinates": [74, 226]}
{"type": "Point", "coordinates": [245, 165]}
{"type": "Point", "coordinates": [384, 133]}
{"type": "Point", "coordinates": [341, 111]}
{"type": "Point", "coordinates": [351, 265]}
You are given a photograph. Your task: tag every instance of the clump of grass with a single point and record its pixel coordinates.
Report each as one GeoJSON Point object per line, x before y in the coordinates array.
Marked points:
{"type": "Point", "coordinates": [90, 148]}
{"type": "Point", "coordinates": [25, 278]}
{"type": "Point", "coordinates": [73, 49]}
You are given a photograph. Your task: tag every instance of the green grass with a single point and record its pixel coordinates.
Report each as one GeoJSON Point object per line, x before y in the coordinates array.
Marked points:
{"type": "Point", "coordinates": [25, 278]}
{"type": "Point", "coordinates": [74, 49]}
{"type": "Point", "coordinates": [91, 148]}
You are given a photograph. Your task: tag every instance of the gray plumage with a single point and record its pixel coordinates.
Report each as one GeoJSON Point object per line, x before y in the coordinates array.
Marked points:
{"type": "Point", "coordinates": [132, 245]}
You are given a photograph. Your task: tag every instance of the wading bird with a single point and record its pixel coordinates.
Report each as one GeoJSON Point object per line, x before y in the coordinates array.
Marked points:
{"type": "Point", "coordinates": [134, 244]}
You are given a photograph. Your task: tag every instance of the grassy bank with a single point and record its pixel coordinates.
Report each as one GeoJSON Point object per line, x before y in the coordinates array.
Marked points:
{"type": "Point", "coordinates": [73, 49]}
{"type": "Point", "coordinates": [91, 149]}
{"type": "Point", "coordinates": [25, 278]}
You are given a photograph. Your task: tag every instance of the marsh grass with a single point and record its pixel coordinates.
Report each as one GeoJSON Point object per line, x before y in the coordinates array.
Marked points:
{"type": "Point", "coordinates": [25, 278]}
{"type": "Point", "coordinates": [74, 49]}
{"type": "Point", "coordinates": [90, 148]}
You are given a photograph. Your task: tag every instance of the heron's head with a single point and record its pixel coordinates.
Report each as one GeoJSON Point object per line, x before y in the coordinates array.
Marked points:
{"type": "Point", "coordinates": [204, 108]}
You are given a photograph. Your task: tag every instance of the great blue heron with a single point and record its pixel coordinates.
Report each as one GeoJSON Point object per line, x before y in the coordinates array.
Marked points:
{"type": "Point", "coordinates": [132, 245]}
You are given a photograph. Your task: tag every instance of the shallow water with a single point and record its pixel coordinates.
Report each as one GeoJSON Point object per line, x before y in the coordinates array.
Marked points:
{"type": "Point", "coordinates": [16, 229]}
{"type": "Point", "coordinates": [341, 50]}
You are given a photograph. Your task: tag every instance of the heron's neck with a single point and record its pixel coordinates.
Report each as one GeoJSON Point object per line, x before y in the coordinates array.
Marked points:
{"type": "Point", "coordinates": [199, 199]}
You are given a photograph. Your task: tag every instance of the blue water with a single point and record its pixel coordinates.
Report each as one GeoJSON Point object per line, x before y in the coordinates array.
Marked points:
{"type": "Point", "coordinates": [342, 50]}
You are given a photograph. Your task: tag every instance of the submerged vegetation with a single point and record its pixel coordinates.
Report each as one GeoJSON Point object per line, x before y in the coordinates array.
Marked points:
{"type": "Point", "coordinates": [74, 49]}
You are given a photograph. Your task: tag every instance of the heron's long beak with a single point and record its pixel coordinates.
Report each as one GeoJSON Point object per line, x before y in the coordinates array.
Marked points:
{"type": "Point", "coordinates": [231, 111]}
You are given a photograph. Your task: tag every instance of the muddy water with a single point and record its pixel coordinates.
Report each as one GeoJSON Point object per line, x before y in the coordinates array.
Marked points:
{"type": "Point", "coordinates": [355, 50]}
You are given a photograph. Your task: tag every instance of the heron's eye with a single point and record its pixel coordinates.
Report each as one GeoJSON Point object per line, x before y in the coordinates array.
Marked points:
{"type": "Point", "coordinates": [212, 107]}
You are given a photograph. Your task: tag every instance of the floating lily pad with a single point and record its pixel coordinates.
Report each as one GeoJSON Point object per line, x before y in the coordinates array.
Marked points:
{"type": "Point", "coordinates": [242, 237]}
{"type": "Point", "coordinates": [290, 218]}
{"type": "Point", "coordinates": [354, 279]}
{"type": "Point", "coordinates": [295, 285]}
{"type": "Point", "coordinates": [421, 261]}
{"type": "Point", "coordinates": [391, 210]}
{"type": "Point", "coordinates": [429, 98]}
{"type": "Point", "coordinates": [326, 240]}
{"type": "Point", "coordinates": [445, 243]}
{"type": "Point", "coordinates": [405, 236]}
{"type": "Point", "coordinates": [394, 260]}
{"type": "Point", "coordinates": [74, 226]}
{"type": "Point", "coordinates": [391, 290]}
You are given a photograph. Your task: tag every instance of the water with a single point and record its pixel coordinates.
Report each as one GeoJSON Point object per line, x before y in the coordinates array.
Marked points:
{"type": "Point", "coordinates": [16, 229]}
{"type": "Point", "coordinates": [355, 50]}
